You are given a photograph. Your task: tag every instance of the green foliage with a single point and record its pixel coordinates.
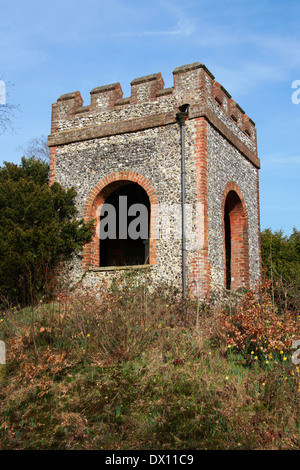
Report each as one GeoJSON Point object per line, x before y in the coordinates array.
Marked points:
{"type": "Point", "coordinates": [38, 230]}
{"type": "Point", "coordinates": [281, 254]}
{"type": "Point", "coordinates": [281, 264]}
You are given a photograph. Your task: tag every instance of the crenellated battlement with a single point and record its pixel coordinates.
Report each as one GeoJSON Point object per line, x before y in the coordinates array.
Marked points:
{"type": "Point", "coordinates": [150, 105]}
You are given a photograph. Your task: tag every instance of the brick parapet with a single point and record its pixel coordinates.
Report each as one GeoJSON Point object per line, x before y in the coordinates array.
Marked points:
{"type": "Point", "coordinates": [152, 105]}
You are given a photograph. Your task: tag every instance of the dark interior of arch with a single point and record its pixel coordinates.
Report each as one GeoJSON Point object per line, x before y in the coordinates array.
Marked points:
{"type": "Point", "coordinates": [227, 246]}
{"type": "Point", "coordinates": [126, 252]}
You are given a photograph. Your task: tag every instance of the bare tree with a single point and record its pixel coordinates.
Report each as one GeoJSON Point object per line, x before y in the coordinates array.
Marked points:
{"type": "Point", "coordinates": [7, 114]}
{"type": "Point", "coordinates": [36, 147]}
{"type": "Point", "coordinates": [7, 111]}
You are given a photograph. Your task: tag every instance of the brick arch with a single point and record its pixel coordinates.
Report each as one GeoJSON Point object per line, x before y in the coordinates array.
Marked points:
{"type": "Point", "coordinates": [97, 197]}
{"type": "Point", "coordinates": [235, 234]}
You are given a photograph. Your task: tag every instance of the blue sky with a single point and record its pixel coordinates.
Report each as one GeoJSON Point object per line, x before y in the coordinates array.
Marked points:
{"type": "Point", "coordinates": [48, 48]}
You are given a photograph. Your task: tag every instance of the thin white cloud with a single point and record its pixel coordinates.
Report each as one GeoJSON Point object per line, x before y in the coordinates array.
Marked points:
{"type": "Point", "coordinates": [280, 161]}
{"type": "Point", "coordinates": [287, 48]}
{"type": "Point", "coordinates": [246, 75]}
{"type": "Point", "coordinates": [182, 28]}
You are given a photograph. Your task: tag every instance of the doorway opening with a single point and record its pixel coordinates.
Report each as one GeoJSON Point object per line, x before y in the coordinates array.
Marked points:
{"type": "Point", "coordinates": [236, 243]}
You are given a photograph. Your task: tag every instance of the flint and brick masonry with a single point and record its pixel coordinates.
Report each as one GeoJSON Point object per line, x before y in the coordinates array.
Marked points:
{"type": "Point", "coordinates": [136, 140]}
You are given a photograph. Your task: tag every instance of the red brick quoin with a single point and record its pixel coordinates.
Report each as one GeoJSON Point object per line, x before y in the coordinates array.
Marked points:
{"type": "Point", "coordinates": [199, 269]}
{"type": "Point", "coordinates": [97, 197]}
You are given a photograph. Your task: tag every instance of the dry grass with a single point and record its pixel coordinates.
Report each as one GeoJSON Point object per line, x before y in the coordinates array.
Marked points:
{"type": "Point", "coordinates": [134, 369]}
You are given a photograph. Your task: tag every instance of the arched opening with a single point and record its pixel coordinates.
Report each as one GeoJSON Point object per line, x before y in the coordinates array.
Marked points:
{"type": "Point", "coordinates": [236, 257]}
{"type": "Point", "coordinates": [227, 248]}
{"type": "Point", "coordinates": [99, 195]}
{"type": "Point", "coordinates": [124, 225]}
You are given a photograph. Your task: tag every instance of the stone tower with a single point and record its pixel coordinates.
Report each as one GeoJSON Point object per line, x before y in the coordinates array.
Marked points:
{"type": "Point", "coordinates": [188, 153]}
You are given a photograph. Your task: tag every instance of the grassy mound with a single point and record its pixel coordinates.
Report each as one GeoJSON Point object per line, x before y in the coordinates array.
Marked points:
{"type": "Point", "coordinates": [133, 369]}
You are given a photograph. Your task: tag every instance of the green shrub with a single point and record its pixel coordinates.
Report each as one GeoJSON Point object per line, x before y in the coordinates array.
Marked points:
{"type": "Point", "coordinates": [38, 230]}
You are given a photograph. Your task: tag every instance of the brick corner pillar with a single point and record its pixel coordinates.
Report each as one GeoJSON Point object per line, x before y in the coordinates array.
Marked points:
{"type": "Point", "coordinates": [52, 165]}
{"type": "Point", "coordinates": [200, 270]}
{"type": "Point", "coordinates": [259, 230]}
